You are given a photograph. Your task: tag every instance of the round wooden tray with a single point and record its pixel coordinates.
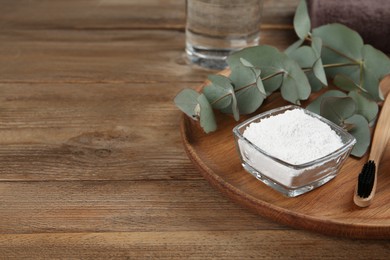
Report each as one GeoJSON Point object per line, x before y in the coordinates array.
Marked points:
{"type": "Point", "coordinates": [328, 209]}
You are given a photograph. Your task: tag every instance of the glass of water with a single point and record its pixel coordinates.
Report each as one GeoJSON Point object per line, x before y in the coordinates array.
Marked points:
{"type": "Point", "coordinates": [217, 28]}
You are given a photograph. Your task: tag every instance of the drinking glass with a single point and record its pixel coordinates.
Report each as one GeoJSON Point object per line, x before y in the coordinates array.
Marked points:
{"type": "Point", "coordinates": [217, 28]}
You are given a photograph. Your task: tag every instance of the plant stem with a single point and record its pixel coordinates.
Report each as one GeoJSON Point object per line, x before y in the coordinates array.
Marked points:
{"type": "Point", "coordinates": [247, 86]}
{"type": "Point", "coordinates": [220, 98]}
{"type": "Point", "coordinates": [273, 75]}
{"type": "Point", "coordinates": [335, 65]}
{"type": "Point", "coordinates": [332, 65]}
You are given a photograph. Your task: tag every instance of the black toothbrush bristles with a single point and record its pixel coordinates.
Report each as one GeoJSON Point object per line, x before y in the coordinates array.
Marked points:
{"type": "Point", "coordinates": [366, 179]}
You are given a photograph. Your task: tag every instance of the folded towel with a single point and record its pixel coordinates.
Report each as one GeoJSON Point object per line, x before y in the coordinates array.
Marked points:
{"type": "Point", "coordinates": [370, 18]}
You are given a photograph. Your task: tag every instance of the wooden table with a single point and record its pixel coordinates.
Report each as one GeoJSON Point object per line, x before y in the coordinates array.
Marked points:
{"type": "Point", "coordinates": [91, 160]}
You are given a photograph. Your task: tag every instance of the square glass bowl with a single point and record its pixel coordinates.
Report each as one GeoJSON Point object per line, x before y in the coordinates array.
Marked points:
{"type": "Point", "coordinates": [290, 179]}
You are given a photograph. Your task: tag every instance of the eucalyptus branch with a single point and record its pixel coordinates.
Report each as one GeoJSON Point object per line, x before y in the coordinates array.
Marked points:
{"type": "Point", "coordinates": [247, 86]}
{"type": "Point", "coordinates": [354, 106]}
{"type": "Point", "coordinates": [356, 62]}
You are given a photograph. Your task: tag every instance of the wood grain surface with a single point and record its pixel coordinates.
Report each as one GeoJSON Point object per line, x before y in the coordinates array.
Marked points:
{"type": "Point", "coordinates": [91, 160]}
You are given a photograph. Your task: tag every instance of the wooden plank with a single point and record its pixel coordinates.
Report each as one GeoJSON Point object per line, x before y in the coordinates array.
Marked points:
{"type": "Point", "coordinates": [91, 131]}
{"type": "Point", "coordinates": [91, 56]}
{"type": "Point", "coordinates": [123, 14]}
{"type": "Point", "coordinates": [99, 56]}
{"type": "Point", "coordinates": [280, 244]}
{"type": "Point", "coordinates": [121, 206]}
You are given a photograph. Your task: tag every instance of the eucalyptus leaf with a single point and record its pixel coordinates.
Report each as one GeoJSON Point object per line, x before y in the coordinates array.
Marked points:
{"type": "Point", "coordinates": [207, 119]}
{"type": "Point", "coordinates": [304, 56]}
{"type": "Point", "coordinates": [219, 92]}
{"type": "Point", "coordinates": [260, 87]}
{"type": "Point", "coordinates": [343, 41]}
{"type": "Point", "coordinates": [337, 109]}
{"type": "Point", "coordinates": [246, 63]}
{"type": "Point", "coordinates": [375, 66]}
{"type": "Point", "coordinates": [361, 132]}
{"type": "Point", "coordinates": [264, 57]}
{"type": "Point", "coordinates": [316, 45]}
{"type": "Point", "coordinates": [257, 76]}
{"type": "Point", "coordinates": [186, 101]}
{"type": "Point", "coordinates": [301, 20]}
{"type": "Point", "coordinates": [365, 107]}
{"type": "Point", "coordinates": [290, 89]}
{"type": "Point", "coordinates": [315, 106]}
{"type": "Point", "coordinates": [307, 58]}
{"type": "Point", "coordinates": [235, 109]}
{"type": "Point", "coordinates": [275, 64]}
{"type": "Point", "coordinates": [318, 68]}
{"type": "Point", "coordinates": [294, 46]}
{"type": "Point", "coordinates": [345, 83]}
{"type": "Point", "coordinates": [249, 100]}
{"type": "Point", "coordinates": [315, 83]}
{"type": "Point", "coordinates": [271, 84]}
{"type": "Point", "coordinates": [319, 72]}
{"type": "Point", "coordinates": [223, 87]}
{"type": "Point", "coordinates": [341, 45]}
{"type": "Point", "coordinates": [250, 91]}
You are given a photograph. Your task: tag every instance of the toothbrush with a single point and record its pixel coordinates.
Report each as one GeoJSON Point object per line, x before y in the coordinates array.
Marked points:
{"type": "Point", "coordinates": [366, 186]}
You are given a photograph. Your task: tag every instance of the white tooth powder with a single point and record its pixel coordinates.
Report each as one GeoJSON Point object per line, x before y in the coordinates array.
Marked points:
{"type": "Point", "coordinates": [294, 137]}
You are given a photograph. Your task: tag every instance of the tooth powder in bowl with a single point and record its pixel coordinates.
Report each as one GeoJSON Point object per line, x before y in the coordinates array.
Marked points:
{"type": "Point", "coordinates": [292, 149]}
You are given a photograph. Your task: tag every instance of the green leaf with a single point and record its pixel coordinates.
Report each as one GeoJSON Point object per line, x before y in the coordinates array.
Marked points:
{"type": "Point", "coordinates": [316, 45]}
{"type": "Point", "coordinates": [251, 93]}
{"type": "Point", "coordinates": [250, 78]}
{"type": "Point", "coordinates": [304, 56]}
{"type": "Point", "coordinates": [223, 87]}
{"type": "Point", "coordinates": [365, 107]}
{"type": "Point", "coordinates": [361, 132]}
{"type": "Point", "coordinates": [345, 83]}
{"type": "Point", "coordinates": [375, 66]}
{"type": "Point", "coordinates": [246, 63]}
{"type": "Point", "coordinates": [207, 119]}
{"type": "Point", "coordinates": [337, 109]}
{"type": "Point", "coordinates": [315, 106]}
{"type": "Point", "coordinates": [236, 112]}
{"type": "Point", "coordinates": [277, 69]}
{"type": "Point", "coordinates": [272, 83]}
{"type": "Point", "coordinates": [315, 84]}
{"type": "Point", "coordinates": [186, 101]}
{"type": "Point", "coordinates": [341, 45]}
{"type": "Point", "coordinates": [249, 100]}
{"type": "Point", "coordinates": [318, 68]}
{"type": "Point", "coordinates": [219, 92]}
{"type": "Point", "coordinates": [301, 20]}
{"type": "Point", "coordinates": [290, 89]}
{"type": "Point", "coordinates": [294, 46]}
{"type": "Point", "coordinates": [319, 72]}
{"type": "Point", "coordinates": [264, 57]}
{"type": "Point", "coordinates": [340, 39]}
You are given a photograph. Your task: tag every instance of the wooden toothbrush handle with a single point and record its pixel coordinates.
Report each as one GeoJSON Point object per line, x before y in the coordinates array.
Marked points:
{"type": "Point", "coordinates": [382, 132]}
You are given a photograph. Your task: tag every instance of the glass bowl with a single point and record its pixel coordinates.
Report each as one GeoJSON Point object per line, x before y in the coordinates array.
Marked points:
{"type": "Point", "coordinates": [290, 179]}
